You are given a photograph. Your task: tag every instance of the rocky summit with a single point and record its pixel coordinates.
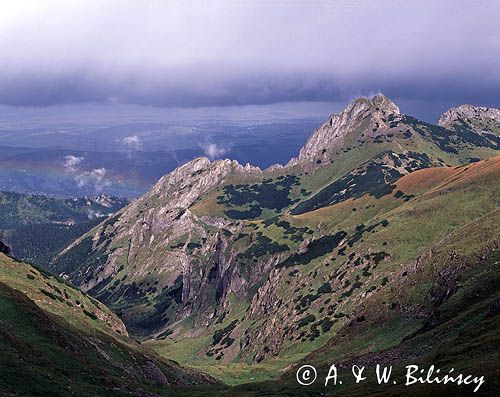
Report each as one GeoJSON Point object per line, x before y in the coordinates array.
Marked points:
{"type": "Point", "coordinates": [336, 252]}
{"type": "Point", "coordinates": [366, 117]}
{"type": "Point", "coordinates": [479, 119]}
{"type": "Point", "coordinates": [468, 112]}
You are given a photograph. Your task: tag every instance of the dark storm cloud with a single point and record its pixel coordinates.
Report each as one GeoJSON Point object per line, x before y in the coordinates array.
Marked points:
{"type": "Point", "coordinates": [193, 53]}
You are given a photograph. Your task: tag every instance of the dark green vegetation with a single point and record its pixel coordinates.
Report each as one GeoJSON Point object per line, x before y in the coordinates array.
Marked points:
{"type": "Point", "coordinates": [466, 129]}
{"type": "Point", "coordinates": [264, 246]}
{"type": "Point", "coordinates": [444, 312]}
{"type": "Point", "coordinates": [452, 143]}
{"type": "Point", "coordinates": [16, 209]}
{"type": "Point", "coordinates": [374, 178]}
{"type": "Point", "coordinates": [315, 249]}
{"type": "Point", "coordinates": [38, 227]}
{"type": "Point", "coordinates": [39, 242]}
{"type": "Point", "coordinates": [77, 260]}
{"type": "Point", "coordinates": [270, 194]}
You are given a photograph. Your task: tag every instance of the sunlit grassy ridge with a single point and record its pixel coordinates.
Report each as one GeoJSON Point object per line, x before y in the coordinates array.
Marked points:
{"type": "Point", "coordinates": [59, 298]}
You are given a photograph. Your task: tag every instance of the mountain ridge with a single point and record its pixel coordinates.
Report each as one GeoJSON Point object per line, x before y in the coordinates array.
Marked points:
{"type": "Point", "coordinates": [332, 131]}
{"type": "Point", "coordinates": [234, 263]}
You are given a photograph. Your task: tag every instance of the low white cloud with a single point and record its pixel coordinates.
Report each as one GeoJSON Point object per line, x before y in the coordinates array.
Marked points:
{"type": "Point", "coordinates": [91, 214]}
{"type": "Point", "coordinates": [71, 163]}
{"type": "Point", "coordinates": [213, 151]}
{"type": "Point", "coordinates": [95, 179]}
{"type": "Point", "coordinates": [132, 142]}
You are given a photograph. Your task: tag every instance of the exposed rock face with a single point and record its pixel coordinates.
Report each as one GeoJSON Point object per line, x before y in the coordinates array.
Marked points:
{"type": "Point", "coordinates": [479, 118]}
{"type": "Point", "coordinates": [112, 320]}
{"type": "Point", "coordinates": [188, 182]}
{"type": "Point", "coordinates": [304, 246]}
{"type": "Point", "coordinates": [4, 247]}
{"type": "Point", "coordinates": [468, 112]}
{"type": "Point", "coordinates": [151, 371]}
{"type": "Point", "coordinates": [371, 115]}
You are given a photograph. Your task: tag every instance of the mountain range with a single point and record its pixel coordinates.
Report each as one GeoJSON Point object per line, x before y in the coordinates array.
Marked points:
{"type": "Point", "coordinates": [378, 243]}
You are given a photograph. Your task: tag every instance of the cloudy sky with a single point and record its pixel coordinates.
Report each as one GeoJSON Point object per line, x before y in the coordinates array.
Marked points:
{"type": "Point", "coordinates": [217, 53]}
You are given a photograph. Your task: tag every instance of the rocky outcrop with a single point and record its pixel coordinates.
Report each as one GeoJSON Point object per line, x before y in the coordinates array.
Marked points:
{"type": "Point", "coordinates": [4, 247]}
{"type": "Point", "coordinates": [468, 112]}
{"type": "Point", "coordinates": [478, 118]}
{"type": "Point", "coordinates": [193, 179]}
{"type": "Point", "coordinates": [368, 116]}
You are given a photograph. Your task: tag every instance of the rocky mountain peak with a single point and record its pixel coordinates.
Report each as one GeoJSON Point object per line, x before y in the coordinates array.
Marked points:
{"type": "Point", "coordinates": [377, 103]}
{"type": "Point", "coordinates": [361, 114]}
{"type": "Point", "coordinates": [468, 114]}
{"type": "Point", "coordinates": [200, 170]}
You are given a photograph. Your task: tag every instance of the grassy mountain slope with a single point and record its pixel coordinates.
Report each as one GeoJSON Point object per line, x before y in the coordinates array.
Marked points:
{"type": "Point", "coordinates": [442, 310]}
{"type": "Point", "coordinates": [57, 341]}
{"type": "Point", "coordinates": [59, 298]}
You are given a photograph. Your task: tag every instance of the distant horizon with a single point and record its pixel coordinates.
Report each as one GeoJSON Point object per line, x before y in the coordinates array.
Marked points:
{"type": "Point", "coordinates": [113, 113]}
